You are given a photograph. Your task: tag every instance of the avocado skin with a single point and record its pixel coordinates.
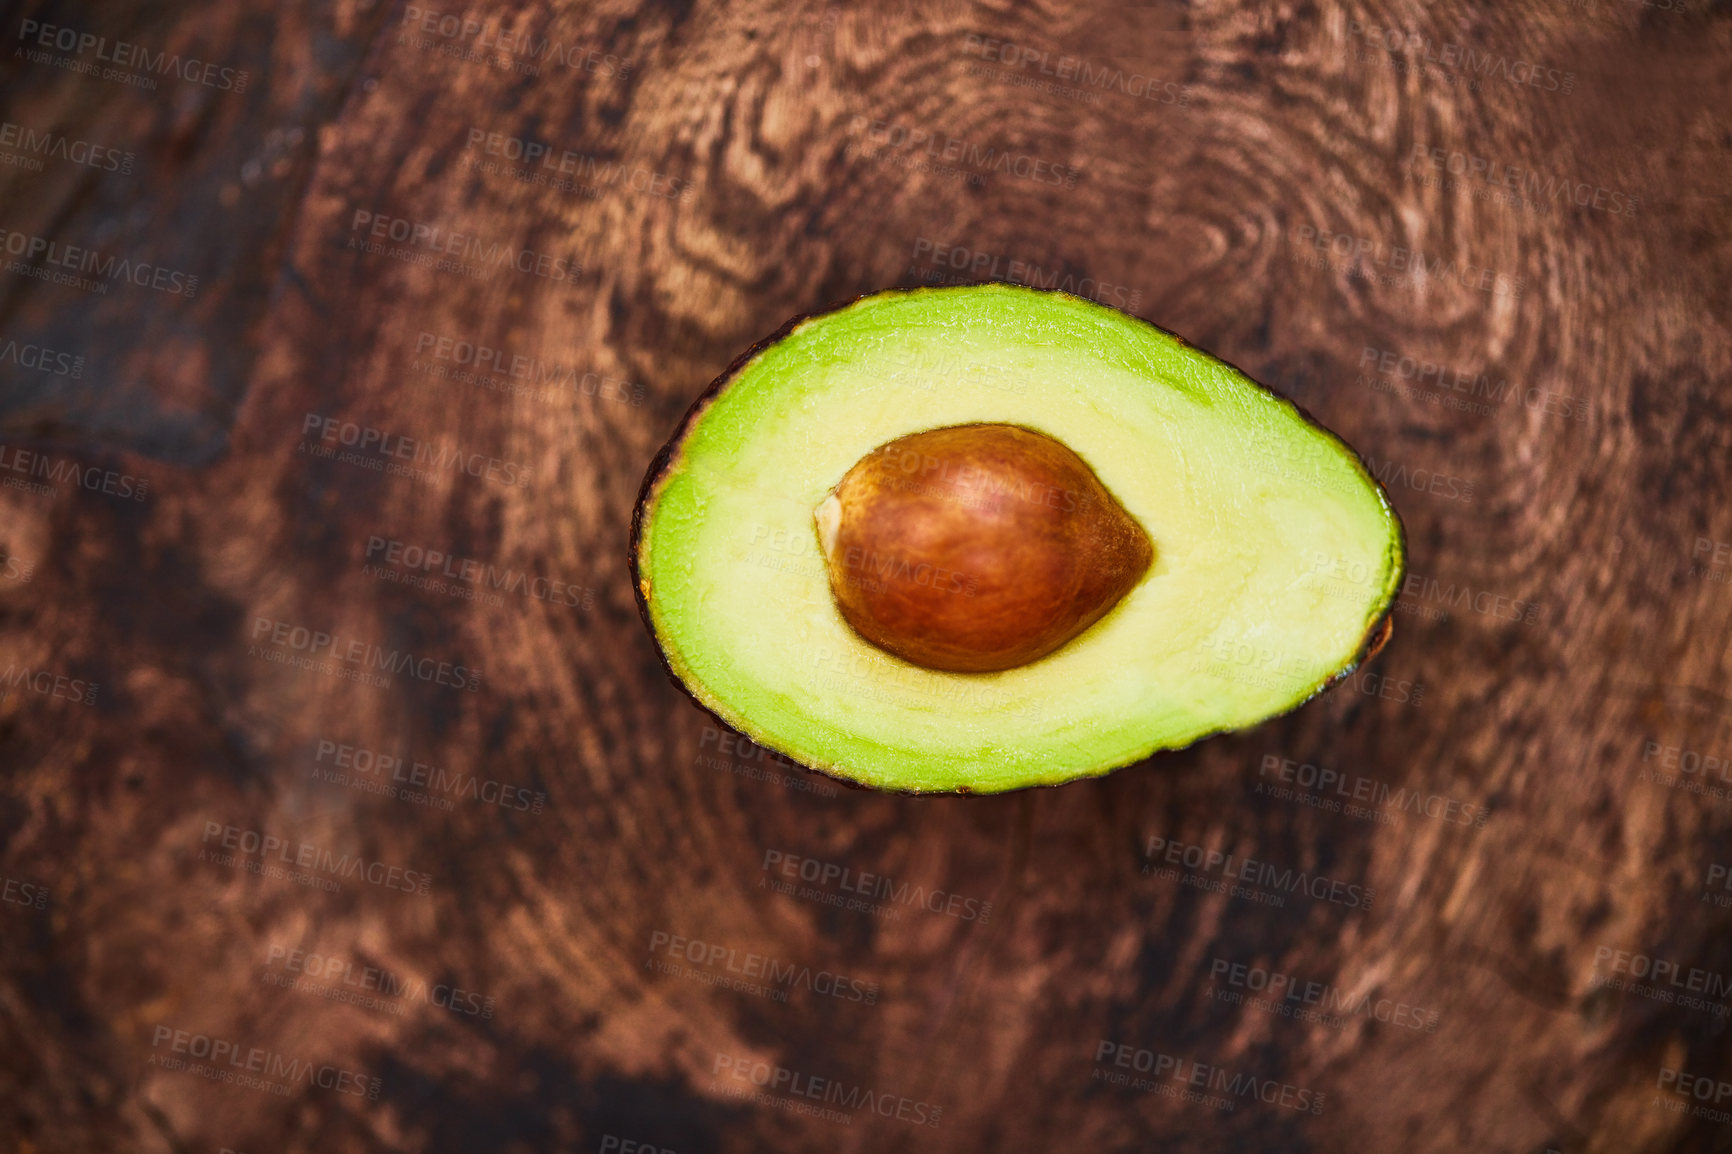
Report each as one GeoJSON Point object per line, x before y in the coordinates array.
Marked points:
{"type": "Point", "coordinates": [1377, 635]}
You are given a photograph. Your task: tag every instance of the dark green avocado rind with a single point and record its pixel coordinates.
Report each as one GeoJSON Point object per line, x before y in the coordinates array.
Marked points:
{"type": "Point", "coordinates": [1376, 635]}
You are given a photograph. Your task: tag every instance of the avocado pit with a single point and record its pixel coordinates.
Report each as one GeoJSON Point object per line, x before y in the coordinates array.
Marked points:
{"type": "Point", "coordinates": [976, 548]}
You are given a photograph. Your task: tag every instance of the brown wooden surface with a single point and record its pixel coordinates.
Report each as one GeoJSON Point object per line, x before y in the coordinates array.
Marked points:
{"type": "Point", "coordinates": [1200, 209]}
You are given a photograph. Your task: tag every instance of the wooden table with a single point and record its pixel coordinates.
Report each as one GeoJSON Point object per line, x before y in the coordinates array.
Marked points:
{"type": "Point", "coordinates": [459, 271]}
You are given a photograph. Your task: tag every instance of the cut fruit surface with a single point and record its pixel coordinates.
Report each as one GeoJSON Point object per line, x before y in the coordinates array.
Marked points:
{"type": "Point", "coordinates": [1277, 556]}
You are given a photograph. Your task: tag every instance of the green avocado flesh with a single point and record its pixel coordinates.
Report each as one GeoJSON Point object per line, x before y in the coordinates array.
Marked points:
{"type": "Point", "coordinates": [1276, 554]}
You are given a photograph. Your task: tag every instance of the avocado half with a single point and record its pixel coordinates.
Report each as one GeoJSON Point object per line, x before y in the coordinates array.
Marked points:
{"type": "Point", "coordinates": [1277, 556]}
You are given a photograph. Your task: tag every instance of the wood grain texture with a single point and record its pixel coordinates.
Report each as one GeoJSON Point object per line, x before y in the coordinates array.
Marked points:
{"type": "Point", "coordinates": [753, 162]}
